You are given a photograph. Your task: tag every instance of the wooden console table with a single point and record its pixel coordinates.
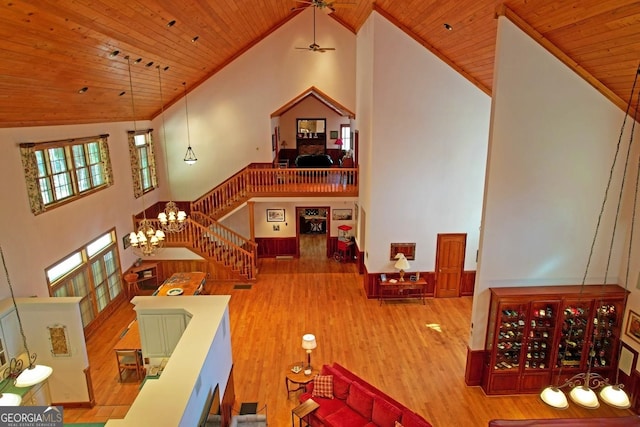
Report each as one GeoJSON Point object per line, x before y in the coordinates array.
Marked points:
{"type": "Point", "coordinates": [402, 290]}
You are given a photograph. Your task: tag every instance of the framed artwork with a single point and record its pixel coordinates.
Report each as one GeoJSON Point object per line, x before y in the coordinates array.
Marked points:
{"type": "Point", "coordinates": [125, 241]}
{"type": "Point", "coordinates": [276, 227]}
{"type": "Point", "coordinates": [59, 340]}
{"type": "Point", "coordinates": [273, 142]}
{"type": "Point", "coordinates": [408, 249]}
{"type": "Point", "coordinates": [275, 215]}
{"type": "Point", "coordinates": [633, 326]}
{"type": "Point", "coordinates": [333, 134]}
{"type": "Point", "coordinates": [343, 214]}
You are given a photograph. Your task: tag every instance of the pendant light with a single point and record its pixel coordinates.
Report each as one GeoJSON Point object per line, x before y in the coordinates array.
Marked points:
{"type": "Point", "coordinates": [172, 219]}
{"type": "Point", "coordinates": [190, 157]}
{"type": "Point", "coordinates": [146, 240]}
{"type": "Point", "coordinates": [583, 384]}
{"type": "Point", "coordinates": [20, 375]}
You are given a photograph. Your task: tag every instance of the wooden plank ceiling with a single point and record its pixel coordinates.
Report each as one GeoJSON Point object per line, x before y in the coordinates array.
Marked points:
{"type": "Point", "coordinates": [51, 49]}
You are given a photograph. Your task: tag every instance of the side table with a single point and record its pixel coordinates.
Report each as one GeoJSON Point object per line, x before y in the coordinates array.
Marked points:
{"type": "Point", "coordinates": [300, 380]}
{"type": "Point", "coordinates": [303, 410]}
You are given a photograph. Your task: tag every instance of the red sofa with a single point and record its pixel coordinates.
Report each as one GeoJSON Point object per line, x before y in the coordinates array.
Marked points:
{"type": "Point", "coordinates": [355, 403]}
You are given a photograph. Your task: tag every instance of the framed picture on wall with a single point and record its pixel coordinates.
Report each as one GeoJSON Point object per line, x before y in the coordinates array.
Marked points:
{"type": "Point", "coordinates": [333, 134]}
{"type": "Point", "coordinates": [408, 249]}
{"type": "Point", "coordinates": [275, 215]}
{"type": "Point", "coordinates": [342, 214]}
{"type": "Point", "coordinates": [633, 326]}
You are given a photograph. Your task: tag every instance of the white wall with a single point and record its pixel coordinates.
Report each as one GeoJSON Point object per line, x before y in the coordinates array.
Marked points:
{"type": "Point", "coordinates": [229, 114]}
{"type": "Point", "coordinates": [68, 382]}
{"type": "Point", "coordinates": [33, 243]}
{"type": "Point", "coordinates": [551, 146]}
{"type": "Point", "coordinates": [424, 143]}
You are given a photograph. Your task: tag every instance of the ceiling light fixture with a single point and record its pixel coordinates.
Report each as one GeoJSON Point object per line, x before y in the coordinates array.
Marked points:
{"type": "Point", "coordinates": [195, 39]}
{"type": "Point", "coordinates": [172, 219]}
{"type": "Point", "coordinates": [20, 375]}
{"type": "Point", "coordinates": [583, 384]}
{"type": "Point", "coordinates": [114, 54]}
{"type": "Point", "coordinates": [448, 27]}
{"type": "Point", "coordinates": [146, 240]}
{"type": "Point", "coordinates": [171, 23]}
{"type": "Point", "coordinates": [83, 90]}
{"type": "Point", "coordinates": [190, 157]}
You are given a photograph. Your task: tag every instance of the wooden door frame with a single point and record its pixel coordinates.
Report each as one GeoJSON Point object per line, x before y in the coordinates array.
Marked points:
{"type": "Point", "coordinates": [328, 233]}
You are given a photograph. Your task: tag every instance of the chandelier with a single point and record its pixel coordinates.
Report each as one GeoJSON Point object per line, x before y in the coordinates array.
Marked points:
{"type": "Point", "coordinates": [582, 385]}
{"type": "Point", "coordinates": [146, 240]}
{"type": "Point", "coordinates": [19, 374]}
{"type": "Point", "coordinates": [189, 157]}
{"type": "Point", "coordinates": [172, 220]}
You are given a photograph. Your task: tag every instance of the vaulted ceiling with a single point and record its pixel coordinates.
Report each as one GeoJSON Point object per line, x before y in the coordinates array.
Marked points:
{"type": "Point", "coordinates": [52, 49]}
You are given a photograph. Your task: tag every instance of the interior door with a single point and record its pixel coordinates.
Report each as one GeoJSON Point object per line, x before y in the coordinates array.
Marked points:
{"type": "Point", "coordinates": [449, 264]}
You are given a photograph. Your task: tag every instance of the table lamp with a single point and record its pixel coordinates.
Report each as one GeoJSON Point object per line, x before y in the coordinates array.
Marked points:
{"type": "Point", "coordinates": [309, 343]}
{"type": "Point", "coordinates": [401, 264]}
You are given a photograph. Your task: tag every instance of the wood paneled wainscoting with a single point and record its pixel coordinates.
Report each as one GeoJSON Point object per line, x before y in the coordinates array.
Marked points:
{"type": "Point", "coordinates": [271, 247]}
{"type": "Point", "coordinates": [467, 282]}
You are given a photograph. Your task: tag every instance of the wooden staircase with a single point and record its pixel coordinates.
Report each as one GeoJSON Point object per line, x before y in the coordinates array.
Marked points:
{"type": "Point", "coordinates": [204, 235]}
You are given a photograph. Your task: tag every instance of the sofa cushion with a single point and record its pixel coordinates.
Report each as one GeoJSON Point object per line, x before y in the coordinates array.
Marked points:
{"type": "Point", "coordinates": [323, 386]}
{"type": "Point", "coordinates": [327, 407]}
{"type": "Point", "coordinates": [410, 419]}
{"type": "Point", "coordinates": [346, 417]}
{"type": "Point", "coordinates": [360, 400]}
{"type": "Point", "coordinates": [340, 383]}
{"type": "Point", "coordinates": [384, 414]}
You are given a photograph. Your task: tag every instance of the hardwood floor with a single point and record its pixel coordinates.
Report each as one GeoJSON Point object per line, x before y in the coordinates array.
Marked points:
{"type": "Point", "coordinates": [415, 353]}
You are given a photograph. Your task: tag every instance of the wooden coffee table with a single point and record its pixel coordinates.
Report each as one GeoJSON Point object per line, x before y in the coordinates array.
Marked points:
{"type": "Point", "coordinates": [299, 380]}
{"type": "Point", "coordinates": [303, 410]}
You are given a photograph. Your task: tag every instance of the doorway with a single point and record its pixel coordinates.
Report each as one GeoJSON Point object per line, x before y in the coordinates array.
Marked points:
{"type": "Point", "coordinates": [312, 231]}
{"type": "Point", "coordinates": [449, 264]}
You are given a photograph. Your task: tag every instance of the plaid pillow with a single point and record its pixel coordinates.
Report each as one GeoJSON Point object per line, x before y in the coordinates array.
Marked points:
{"type": "Point", "coordinates": [323, 386]}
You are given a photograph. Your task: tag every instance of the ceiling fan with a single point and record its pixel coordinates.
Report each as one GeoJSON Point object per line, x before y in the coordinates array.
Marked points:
{"type": "Point", "coordinates": [315, 47]}
{"type": "Point", "coordinates": [325, 6]}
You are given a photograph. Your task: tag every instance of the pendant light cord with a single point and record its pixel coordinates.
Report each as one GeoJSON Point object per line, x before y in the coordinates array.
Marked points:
{"type": "Point", "coordinates": [13, 299]}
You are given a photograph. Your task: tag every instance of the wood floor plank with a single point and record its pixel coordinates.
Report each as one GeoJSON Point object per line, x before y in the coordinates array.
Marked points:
{"type": "Point", "coordinates": [415, 353]}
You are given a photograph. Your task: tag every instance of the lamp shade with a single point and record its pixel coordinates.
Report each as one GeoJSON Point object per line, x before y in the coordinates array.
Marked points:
{"type": "Point", "coordinates": [614, 396]}
{"type": "Point", "coordinates": [584, 397]}
{"type": "Point", "coordinates": [554, 397]}
{"type": "Point", "coordinates": [10, 399]}
{"type": "Point", "coordinates": [33, 375]}
{"type": "Point", "coordinates": [401, 263]}
{"type": "Point", "coordinates": [309, 342]}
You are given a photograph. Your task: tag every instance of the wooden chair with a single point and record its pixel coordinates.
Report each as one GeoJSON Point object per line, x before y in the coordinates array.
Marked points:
{"type": "Point", "coordinates": [130, 360]}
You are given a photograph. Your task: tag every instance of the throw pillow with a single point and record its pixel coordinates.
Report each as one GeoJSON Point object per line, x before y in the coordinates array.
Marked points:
{"type": "Point", "coordinates": [340, 383]}
{"type": "Point", "coordinates": [323, 386]}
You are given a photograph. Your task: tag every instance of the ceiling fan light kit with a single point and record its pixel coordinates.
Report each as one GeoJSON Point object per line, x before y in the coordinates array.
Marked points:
{"type": "Point", "coordinates": [315, 47]}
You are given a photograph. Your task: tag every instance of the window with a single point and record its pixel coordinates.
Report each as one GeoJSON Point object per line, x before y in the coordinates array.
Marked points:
{"type": "Point", "coordinates": [345, 135]}
{"type": "Point", "coordinates": [61, 171]}
{"type": "Point", "coordinates": [143, 163]}
{"type": "Point", "coordinates": [92, 273]}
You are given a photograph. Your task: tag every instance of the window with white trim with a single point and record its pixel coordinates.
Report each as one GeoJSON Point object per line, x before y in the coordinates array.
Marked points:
{"type": "Point", "coordinates": [92, 273]}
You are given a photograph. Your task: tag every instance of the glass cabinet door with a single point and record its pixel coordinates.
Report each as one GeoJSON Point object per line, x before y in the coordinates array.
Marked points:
{"type": "Point", "coordinates": [540, 335]}
{"type": "Point", "coordinates": [510, 336]}
{"type": "Point", "coordinates": [606, 332]}
{"type": "Point", "coordinates": [573, 341]}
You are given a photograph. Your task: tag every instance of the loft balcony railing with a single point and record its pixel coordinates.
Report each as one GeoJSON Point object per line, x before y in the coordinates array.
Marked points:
{"type": "Point", "coordinates": [208, 238]}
